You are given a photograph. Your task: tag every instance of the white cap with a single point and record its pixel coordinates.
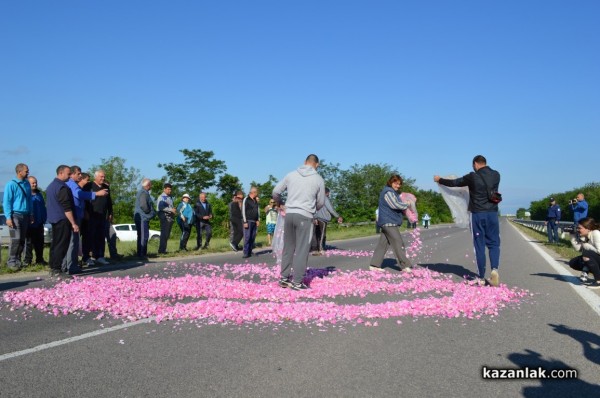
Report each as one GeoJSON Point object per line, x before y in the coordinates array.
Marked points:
{"type": "Point", "coordinates": [185, 195]}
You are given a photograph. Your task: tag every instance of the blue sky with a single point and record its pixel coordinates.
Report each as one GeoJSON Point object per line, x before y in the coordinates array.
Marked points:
{"type": "Point", "coordinates": [422, 86]}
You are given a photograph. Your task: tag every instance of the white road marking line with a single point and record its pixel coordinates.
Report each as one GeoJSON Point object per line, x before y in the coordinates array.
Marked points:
{"type": "Point", "coordinates": [72, 339]}
{"type": "Point", "coordinates": [591, 298]}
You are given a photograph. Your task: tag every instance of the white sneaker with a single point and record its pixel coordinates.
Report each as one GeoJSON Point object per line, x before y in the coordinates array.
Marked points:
{"type": "Point", "coordinates": [102, 261]}
{"type": "Point", "coordinates": [583, 277]}
{"type": "Point", "coordinates": [494, 278]}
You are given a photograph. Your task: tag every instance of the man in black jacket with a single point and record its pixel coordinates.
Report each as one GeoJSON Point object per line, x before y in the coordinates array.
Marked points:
{"type": "Point", "coordinates": [251, 217]}
{"type": "Point", "coordinates": [203, 212]}
{"type": "Point", "coordinates": [236, 222]}
{"type": "Point", "coordinates": [483, 182]}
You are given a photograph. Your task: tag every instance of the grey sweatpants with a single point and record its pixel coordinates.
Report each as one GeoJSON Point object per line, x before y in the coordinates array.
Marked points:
{"type": "Point", "coordinates": [390, 236]}
{"type": "Point", "coordinates": [297, 235]}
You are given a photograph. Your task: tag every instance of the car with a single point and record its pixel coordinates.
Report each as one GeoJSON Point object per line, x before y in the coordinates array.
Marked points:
{"type": "Point", "coordinates": [5, 232]}
{"type": "Point", "coordinates": [128, 233]}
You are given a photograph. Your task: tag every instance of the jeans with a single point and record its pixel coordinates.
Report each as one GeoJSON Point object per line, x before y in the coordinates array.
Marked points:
{"type": "Point", "coordinates": [143, 233]}
{"type": "Point", "coordinates": [552, 229]}
{"type": "Point", "coordinates": [249, 237]}
{"type": "Point", "coordinates": [17, 239]}
{"type": "Point", "coordinates": [486, 233]}
{"type": "Point", "coordinates": [166, 224]}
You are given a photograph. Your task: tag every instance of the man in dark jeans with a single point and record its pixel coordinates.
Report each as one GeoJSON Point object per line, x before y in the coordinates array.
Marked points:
{"type": "Point", "coordinates": [485, 226]}
{"type": "Point", "coordinates": [236, 222]}
{"type": "Point", "coordinates": [250, 216]}
{"type": "Point", "coordinates": [203, 212]}
{"type": "Point", "coordinates": [552, 220]}
{"type": "Point", "coordinates": [35, 233]}
{"type": "Point", "coordinates": [166, 215]}
{"type": "Point", "coordinates": [60, 205]}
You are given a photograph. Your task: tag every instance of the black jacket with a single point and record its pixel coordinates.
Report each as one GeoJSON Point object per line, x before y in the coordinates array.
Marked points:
{"type": "Point", "coordinates": [200, 212]}
{"type": "Point", "coordinates": [478, 193]}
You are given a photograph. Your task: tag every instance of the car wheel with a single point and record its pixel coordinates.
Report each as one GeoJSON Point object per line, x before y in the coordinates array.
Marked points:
{"type": "Point", "coordinates": [154, 237]}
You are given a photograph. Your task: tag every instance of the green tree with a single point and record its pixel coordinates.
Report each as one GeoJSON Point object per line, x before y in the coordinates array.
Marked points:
{"type": "Point", "coordinates": [197, 173]}
{"type": "Point", "coordinates": [228, 185]}
{"type": "Point", "coordinates": [124, 183]}
{"type": "Point", "coordinates": [521, 213]}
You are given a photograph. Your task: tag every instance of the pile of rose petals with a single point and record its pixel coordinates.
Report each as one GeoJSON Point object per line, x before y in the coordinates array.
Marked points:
{"type": "Point", "coordinates": [249, 294]}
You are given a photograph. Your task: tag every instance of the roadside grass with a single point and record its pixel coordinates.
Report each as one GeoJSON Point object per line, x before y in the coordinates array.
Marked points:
{"type": "Point", "coordinates": [564, 249]}
{"type": "Point", "coordinates": [217, 245]}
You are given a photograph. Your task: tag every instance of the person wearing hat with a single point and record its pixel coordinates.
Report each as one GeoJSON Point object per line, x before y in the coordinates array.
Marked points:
{"type": "Point", "coordinates": [185, 220]}
{"type": "Point", "coordinates": [166, 214]}
{"type": "Point", "coordinates": [552, 220]}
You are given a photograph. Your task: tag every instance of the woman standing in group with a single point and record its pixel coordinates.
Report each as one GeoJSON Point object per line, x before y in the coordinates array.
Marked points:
{"type": "Point", "coordinates": [185, 220]}
{"type": "Point", "coordinates": [390, 220]}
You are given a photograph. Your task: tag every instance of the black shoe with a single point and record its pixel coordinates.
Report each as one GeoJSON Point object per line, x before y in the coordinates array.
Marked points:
{"type": "Point", "coordinates": [205, 247]}
{"type": "Point", "coordinates": [41, 262]}
{"type": "Point", "coordinates": [284, 282]}
{"type": "Point", "coordinates": [196, 248]}
{"type": "Point", "coordinates": [246, 256]}
{"type": "Point", "coordinates": [298, 286]}
{"type": "Point", "coordinates": [233, 247]}
{"type": "Point", "coordinates": [75, 271]}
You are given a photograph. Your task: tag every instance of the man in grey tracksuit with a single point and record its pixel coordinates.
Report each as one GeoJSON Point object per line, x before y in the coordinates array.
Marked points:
{"type": "Point", "coordinates": [305, 195]}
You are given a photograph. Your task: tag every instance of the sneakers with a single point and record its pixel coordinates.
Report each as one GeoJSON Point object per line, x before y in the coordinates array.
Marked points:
{"type": "Point", "coordinates": [233, 247]}
{"type": "Point", "coordinates": [407, 270]}
{"type": "Point", "coordinates": [298, 286]}
{"type": "Point", "coordinates": [583, 277]}
{"type": "Point", "coordinates": [102, 261]}
{"type": "Point", "coordinates": [375, 268]}
{"type": "Point", "coordinates": [494, 278]}
{"type": "Point", "coordinates": [284, 282]}
{"type": "Point", "coordinates": [594, 285]}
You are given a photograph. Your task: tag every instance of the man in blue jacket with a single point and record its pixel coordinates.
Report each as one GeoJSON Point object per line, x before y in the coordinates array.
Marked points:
{"type": "Point", "coordinates": [35, 231]}
{"type": "Point", "coordinates": [17, 209]}
{"type": "Point", "coordinates": [552, 220]}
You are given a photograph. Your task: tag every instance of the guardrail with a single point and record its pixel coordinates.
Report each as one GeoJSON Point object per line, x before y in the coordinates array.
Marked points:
{"type": "Point", "coordinates": [540, 226]}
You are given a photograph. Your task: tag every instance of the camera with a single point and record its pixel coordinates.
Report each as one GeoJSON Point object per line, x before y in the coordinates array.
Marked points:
{"type": "Point", "coordinates": [574, 201]}
{"type": "Point", "coordinates": [569, 228]}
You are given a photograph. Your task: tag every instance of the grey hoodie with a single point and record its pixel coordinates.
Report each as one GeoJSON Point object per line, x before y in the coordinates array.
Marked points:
{"type": "Point", "coordinates": [305, 191]}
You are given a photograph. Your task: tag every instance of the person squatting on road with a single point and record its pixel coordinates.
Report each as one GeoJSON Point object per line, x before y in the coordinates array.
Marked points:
{"type": "Point", "coordinates": [389, 220]}
{"type": "Point", "coordinates": [305, 195]}
{"type": "Point", "coordinates": [483, 183]}
{"type": "Point", "coordinates": [588, 243]}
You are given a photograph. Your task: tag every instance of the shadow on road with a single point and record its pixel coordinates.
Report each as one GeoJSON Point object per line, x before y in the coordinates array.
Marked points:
{"type": "Point", "coordinates": [552, 387]}
{"type": "Point", "coordinates": [589, 341]}
{"type": "Point", "coordinates": [444, 268]}
{"type": "Point", "coordinates": [15, 285]}
{"type": "Point", "coordinates": [563, 278]}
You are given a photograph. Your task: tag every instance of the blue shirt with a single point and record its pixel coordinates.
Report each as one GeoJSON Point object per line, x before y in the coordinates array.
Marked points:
{"type": "Point", "coordinates": [553, 212]}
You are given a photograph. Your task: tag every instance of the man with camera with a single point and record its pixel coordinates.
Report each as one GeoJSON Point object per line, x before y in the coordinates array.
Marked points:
{"type": "Point", "coordinates": [552, 220]}
{"type": "Point", "coordinates": [484, 197]}
{"type": "Point", "coordinates": [580, 209]}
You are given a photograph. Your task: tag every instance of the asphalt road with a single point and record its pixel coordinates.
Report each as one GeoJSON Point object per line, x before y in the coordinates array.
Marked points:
{"type": "Point", "coordinates": [76, 355]}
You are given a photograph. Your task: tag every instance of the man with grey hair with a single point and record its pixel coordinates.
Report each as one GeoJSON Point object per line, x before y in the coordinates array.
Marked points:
{"type": "Point", "coordinates": [100, 211]}
{"type": "Point", "coordinates": [305, 195]}
{"type": "Point", "coordinates": [143, 213]}
{"type": "Point", "coordinates": [18, 212]}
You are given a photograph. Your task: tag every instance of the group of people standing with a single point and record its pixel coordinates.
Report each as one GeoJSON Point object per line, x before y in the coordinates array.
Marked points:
{"type": "Point", "coordinates": [75, 207]}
